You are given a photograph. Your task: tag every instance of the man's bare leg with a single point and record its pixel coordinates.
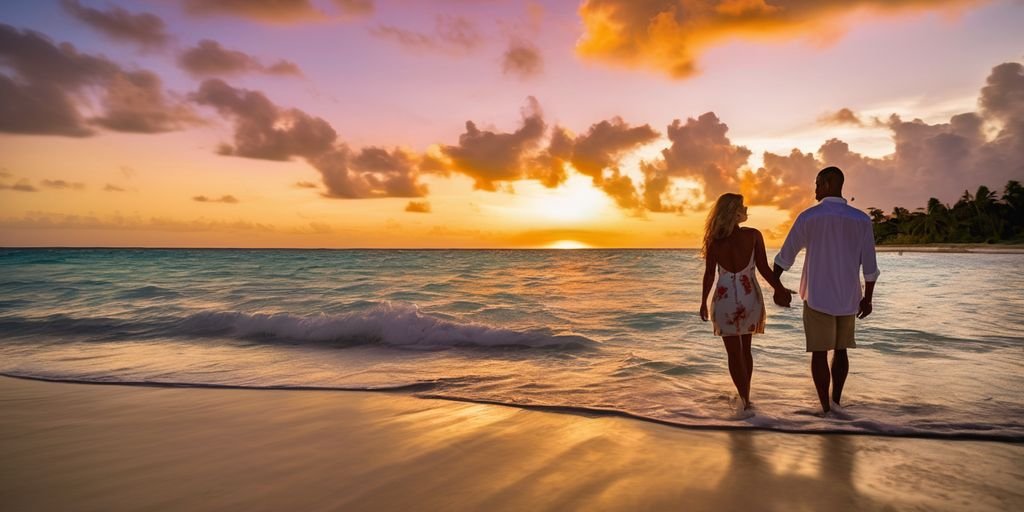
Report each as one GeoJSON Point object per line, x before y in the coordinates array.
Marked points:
{"type": "Point", "coordinates": [821, 376]}
{"type": "Point", "coordinates": [840, 367]}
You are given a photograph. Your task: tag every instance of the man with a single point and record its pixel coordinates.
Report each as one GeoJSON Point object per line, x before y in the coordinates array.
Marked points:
{"type": "Point", "coordinates": [839, 240]}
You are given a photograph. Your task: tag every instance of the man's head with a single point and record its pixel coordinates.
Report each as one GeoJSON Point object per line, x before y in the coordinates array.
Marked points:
{"type": "Point", "coordinates": [828, 183]}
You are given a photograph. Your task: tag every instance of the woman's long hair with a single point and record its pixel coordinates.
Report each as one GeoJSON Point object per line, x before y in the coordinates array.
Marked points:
{"type": "Point", "coordinates": [721, 220]}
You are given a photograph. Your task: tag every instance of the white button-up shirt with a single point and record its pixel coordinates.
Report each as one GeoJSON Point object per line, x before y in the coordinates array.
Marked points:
{"type": "Point", "coordinates": [839, 240]}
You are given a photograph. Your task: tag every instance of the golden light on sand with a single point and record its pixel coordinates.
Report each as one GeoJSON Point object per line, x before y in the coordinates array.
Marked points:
{"type": "Point", "coordinates": [567, 244]}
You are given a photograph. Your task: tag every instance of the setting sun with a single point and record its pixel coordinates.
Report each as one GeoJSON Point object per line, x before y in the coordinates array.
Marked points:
{"type": "Point", "coordinates": [568, 244]}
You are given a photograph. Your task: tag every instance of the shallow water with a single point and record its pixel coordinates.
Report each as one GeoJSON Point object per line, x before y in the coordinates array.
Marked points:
{"type": "Point", "coordinates": [615, 330]}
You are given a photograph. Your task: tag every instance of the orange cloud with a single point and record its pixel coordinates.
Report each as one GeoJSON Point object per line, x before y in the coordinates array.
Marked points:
{"type": "Point", "coordinates": [669, 35]}
{"type": "Point", "coordinates": [488, 156]}
{"type": "Point", "coordinates": [276, 11]}
{"type": "Point", "coordinates": [841, 116]}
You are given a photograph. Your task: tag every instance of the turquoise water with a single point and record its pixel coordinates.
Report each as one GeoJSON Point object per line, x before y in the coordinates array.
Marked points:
{"type": "Point", "coordinates": [610, 330]}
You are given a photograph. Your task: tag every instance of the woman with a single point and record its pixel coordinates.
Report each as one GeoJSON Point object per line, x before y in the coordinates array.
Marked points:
{"type": "Point", "coordinates": [737, 307]}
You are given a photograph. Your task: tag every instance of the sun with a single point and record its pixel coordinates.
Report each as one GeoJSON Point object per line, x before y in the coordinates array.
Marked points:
{"type": "Point", "coordinates": [567, 244]}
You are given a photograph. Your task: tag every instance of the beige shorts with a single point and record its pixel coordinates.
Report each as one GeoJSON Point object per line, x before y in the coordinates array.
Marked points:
{"type": "Point", "coordinates": [828, 332]}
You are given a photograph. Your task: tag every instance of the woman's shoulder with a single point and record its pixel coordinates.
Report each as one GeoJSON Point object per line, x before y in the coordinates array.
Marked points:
{"type": "Point", "coordinates": [750, 231]}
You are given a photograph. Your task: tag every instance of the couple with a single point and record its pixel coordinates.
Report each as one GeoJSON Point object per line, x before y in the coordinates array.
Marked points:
{"type": "Point", "coordinates": [839, 240]}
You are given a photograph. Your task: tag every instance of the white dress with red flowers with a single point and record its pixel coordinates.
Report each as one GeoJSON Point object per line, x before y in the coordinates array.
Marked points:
{"type": "Point", "coordinates": [737, 307]}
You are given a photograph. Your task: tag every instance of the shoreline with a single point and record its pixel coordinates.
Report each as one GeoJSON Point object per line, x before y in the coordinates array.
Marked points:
{"type": "Point", "coordinates": [79, 446]}
{"type": "Point", "coordinates": [411, 391]}
{"type": "Point", "coordinates": [955, 248]}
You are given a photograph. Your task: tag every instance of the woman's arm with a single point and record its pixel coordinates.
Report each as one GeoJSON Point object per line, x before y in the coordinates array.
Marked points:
{"type": "Point", "coordinates": [710, 262]}
{"type": "Point", "coordinates": [761, 260]}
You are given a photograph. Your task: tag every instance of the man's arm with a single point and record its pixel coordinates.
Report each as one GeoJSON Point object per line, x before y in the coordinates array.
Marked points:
{"type": "Point", "coordinates": [795, 242]}
{"type": "Point", "coordinates": [869, 263]}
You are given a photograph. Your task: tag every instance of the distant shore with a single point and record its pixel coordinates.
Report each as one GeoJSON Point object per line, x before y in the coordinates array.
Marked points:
{"type": "Point", "coordinates": [955, 248]}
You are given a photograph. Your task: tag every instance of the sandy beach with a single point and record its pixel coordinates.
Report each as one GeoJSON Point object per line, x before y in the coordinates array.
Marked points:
{"type": "Point", "coordinates": [109, 447]}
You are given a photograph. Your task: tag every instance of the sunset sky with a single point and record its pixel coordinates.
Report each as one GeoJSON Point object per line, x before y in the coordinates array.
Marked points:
{"type": "Point", "coordinates": [488, 123]}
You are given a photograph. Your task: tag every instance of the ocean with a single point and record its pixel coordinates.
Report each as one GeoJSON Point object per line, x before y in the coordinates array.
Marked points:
{"type": "Point", "coordinates": [593, 331]}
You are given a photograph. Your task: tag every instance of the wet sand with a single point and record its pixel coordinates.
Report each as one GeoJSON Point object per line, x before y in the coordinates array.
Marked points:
{"type": "Point", "coordinates": [104, 447]}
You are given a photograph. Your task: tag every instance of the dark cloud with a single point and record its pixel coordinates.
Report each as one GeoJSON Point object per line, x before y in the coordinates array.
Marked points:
{"type": "Point", "coordinates": [266, 131]}
{"type": "Point", "coordinates": [283, 67]}
{"type": "Point", "coordinates": [1002, 97]}
{"type": "Point", "coordinates": [522, 59]}
{"type": "Point", "coordinates": [62, 185]}
{"type": "Point", "coordinates": [549, 166]}
{"type": "Point", "coordinates": [929, 160]}
{"type": "Point", "coordinates": [604, 143]}
{"type": "Point", "coordinates": [657, 194]}
{"type": "Point", "coordinates": [262, 129]}
{"type": "Point", "coordinates": [305, 184]}
{"type": "Point", "coordinates": [42, 109]}
{"type": "Point", "coordinates": [669, 35]}
{"type": "Point", "coordinates": [143, 28]}
{"type": "Point", "coordinates": [209, 58]}
{"type": "Point", "coordinates": [451, 34]}
{"type": "Point", "coordinates": [841, 116]}
{"type": "Point", "coordinates": [489, 157]}
{"type": "Point", "coordinates": [21, 186]}
{"type": "Point", "coordinates": [702, 151]}
{"type": "Point", "coordinates": [228, 199]}
{"type": "Point", "coordinates": [135, 102]}
{"type": "Point", "coordinates": [621, 188]}
{"type": "Point", "coordinates": [937, 160]}
{"type": "Point", "coordinates": [112, 188]}
{"type": "Point", "coordinates": [418, 207]}
{"type": "Point", "coordinates": [371, 172]}
{"type": "Point", "coordinates": [495, 159]}
{"type": "Point", "coordinates": [52, 84]}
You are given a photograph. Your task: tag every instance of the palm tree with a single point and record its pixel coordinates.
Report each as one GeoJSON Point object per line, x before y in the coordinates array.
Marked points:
{"type": "Point", "coordinates": [930, 224]}
{"type": "Point", "coordinates": [987, 221]}
{"type": "Point", "coordinates": [978, 217]}
{"type": "Point", "coordinates": [1013, 198]}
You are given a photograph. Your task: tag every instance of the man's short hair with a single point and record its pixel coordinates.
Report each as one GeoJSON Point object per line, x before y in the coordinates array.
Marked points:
{"type": "Point", "coordinates": [832, 174]}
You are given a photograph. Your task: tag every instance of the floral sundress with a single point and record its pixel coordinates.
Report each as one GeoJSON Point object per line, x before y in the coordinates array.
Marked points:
{"type": "Point", "coordinates": [737, 307]}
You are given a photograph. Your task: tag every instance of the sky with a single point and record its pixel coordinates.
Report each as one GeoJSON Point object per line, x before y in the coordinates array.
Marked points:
{"type": "Point", "coordinates": [489, 123]}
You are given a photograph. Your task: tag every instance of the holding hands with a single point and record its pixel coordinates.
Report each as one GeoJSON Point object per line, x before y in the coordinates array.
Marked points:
{"type": "Point", "coordinates": [783, 296]}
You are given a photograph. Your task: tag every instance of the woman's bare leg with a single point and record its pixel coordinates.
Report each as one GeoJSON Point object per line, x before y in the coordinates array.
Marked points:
{"type": "Point", "coordinates": [749, 359]}
{"type": "Point", "coordinates": [738, 367]}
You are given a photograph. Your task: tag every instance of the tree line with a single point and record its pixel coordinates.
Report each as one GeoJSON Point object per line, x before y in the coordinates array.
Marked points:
{"type": "Point", "coordinates": [983, 217]}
